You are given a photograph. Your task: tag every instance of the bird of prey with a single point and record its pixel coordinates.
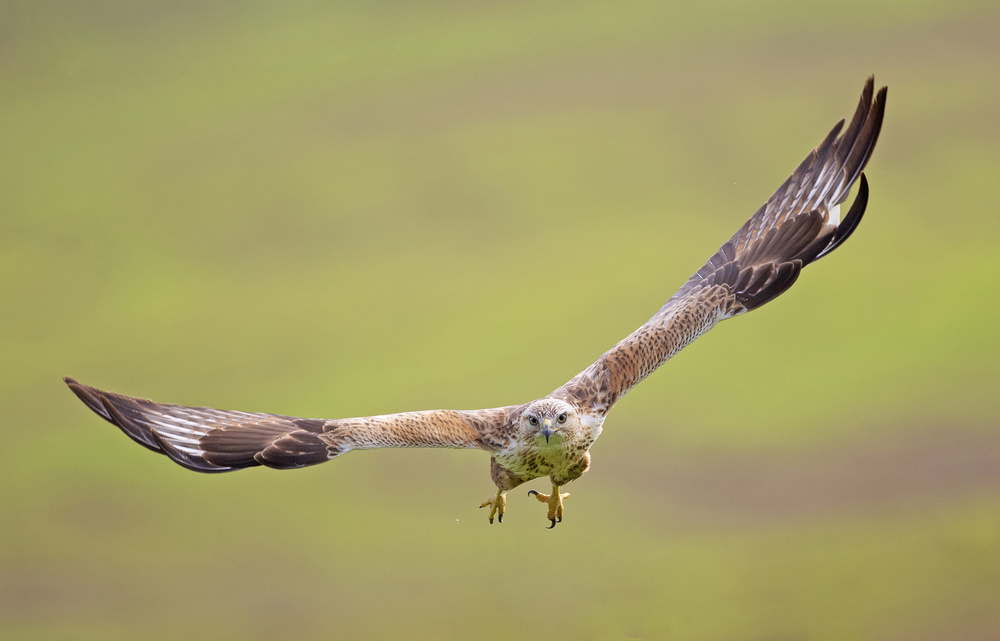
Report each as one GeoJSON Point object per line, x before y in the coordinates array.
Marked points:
{"type": "Point", "coordinates": [550, 436]}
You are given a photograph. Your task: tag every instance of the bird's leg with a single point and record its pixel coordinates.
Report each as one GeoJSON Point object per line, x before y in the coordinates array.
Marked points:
{"type": "Point", "coordinates": [497, 504]}
{"type": "Point", "coordinates": [555, 501]}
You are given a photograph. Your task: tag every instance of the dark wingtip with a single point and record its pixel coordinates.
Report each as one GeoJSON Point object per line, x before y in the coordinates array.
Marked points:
{"type": "Point", "coordinates": [851, 220]}
{"type": "Point", "coordinates": [90, 396]}
{"type": "Point", "coordinates": [879, 106]}
{"type": "Point", "coordinates": [138, 433]}
{"type": "Point", "coordinates": [74, 385]}
{"type": "Point", "coordinates": [102, 404]}
{"type": "Point", "coordinates": [869, 86]}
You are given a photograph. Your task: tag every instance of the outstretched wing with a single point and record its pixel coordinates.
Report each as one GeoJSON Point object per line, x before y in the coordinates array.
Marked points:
{"type": "Point", "coordinates": [209, 440]}
{"type": "Point", "coordinates": [799, 224]}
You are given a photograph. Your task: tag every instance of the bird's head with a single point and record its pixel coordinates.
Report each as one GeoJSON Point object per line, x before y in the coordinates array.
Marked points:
{"type": "Point", "coordinates": [549, 422]}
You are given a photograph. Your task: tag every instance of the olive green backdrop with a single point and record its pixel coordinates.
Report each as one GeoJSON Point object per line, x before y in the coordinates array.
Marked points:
{"type": "Point", "coordinates": [340, 209]}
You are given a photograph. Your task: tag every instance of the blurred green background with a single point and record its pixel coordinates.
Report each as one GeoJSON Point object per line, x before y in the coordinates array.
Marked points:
{"type": "Point", "coordinates": [341, 209]}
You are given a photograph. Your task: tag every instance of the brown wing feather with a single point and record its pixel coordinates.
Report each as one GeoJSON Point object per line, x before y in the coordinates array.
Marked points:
{"type": "Point", "coordinates": [797, 225]}
{"type": "Point", "coordinates": [210, 440]}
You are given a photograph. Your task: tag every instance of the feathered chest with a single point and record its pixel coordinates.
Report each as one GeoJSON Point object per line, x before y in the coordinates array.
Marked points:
{"type": "Point", "coordinates": [534, 456]}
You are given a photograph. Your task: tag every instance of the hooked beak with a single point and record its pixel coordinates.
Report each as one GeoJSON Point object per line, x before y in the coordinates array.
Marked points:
{"type": "Point", "coordinates": [547, 428]}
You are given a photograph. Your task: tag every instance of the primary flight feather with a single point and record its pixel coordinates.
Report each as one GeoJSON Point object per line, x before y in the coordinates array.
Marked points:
{"type": "Point", "coordinates": [551, 436]}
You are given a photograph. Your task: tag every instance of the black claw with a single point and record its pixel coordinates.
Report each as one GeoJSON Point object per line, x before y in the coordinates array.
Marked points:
{"type": "Point", "coordinates": [491, 521]}
{"type": "Point", "coordinates": [532, 492]}
{"type": "Point", "coordinates": [500, 517]}
{"type": "Point", "coordinates": [560, 519]}
{"type": "Point", "coordinates": [553, 524]}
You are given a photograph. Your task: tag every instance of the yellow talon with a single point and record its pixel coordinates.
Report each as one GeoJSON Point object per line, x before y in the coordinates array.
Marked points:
{"type": "Point", "coordinates": [555, 502]}
{"type": "Point", "coordinates": [497, 504]}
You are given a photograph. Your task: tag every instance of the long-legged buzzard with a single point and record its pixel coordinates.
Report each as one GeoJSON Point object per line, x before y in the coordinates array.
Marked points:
{"type": "Point", "coordinates": [550, 436]}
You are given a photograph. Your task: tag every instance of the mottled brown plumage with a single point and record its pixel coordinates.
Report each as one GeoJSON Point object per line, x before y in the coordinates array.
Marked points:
{"type": "Point", "coordinates": [550, 436]}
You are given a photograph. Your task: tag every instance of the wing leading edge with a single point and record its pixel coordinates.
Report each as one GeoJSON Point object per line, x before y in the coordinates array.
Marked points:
{"type": "Point", "coordinates": [799, 224]}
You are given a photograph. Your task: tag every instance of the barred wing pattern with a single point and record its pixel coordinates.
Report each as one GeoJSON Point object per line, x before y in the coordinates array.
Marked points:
{"type": "Point", "coordinates": [209, 440]}
{"type": "Point", "coordinates": [797, 225]}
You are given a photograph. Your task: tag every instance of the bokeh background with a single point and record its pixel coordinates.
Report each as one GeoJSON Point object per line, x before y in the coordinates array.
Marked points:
{"type": "Point", "coordinates": [340, 209]}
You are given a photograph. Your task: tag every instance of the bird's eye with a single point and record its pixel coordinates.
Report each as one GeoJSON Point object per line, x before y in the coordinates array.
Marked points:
{"type": "Point", "coordinates": [532, 420]}
{"type": "Point", "coordinates": [561, 418]}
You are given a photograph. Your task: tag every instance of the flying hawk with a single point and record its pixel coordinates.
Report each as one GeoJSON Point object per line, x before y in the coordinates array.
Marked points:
{"type": "Point", "coordinates": [550, 436]}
